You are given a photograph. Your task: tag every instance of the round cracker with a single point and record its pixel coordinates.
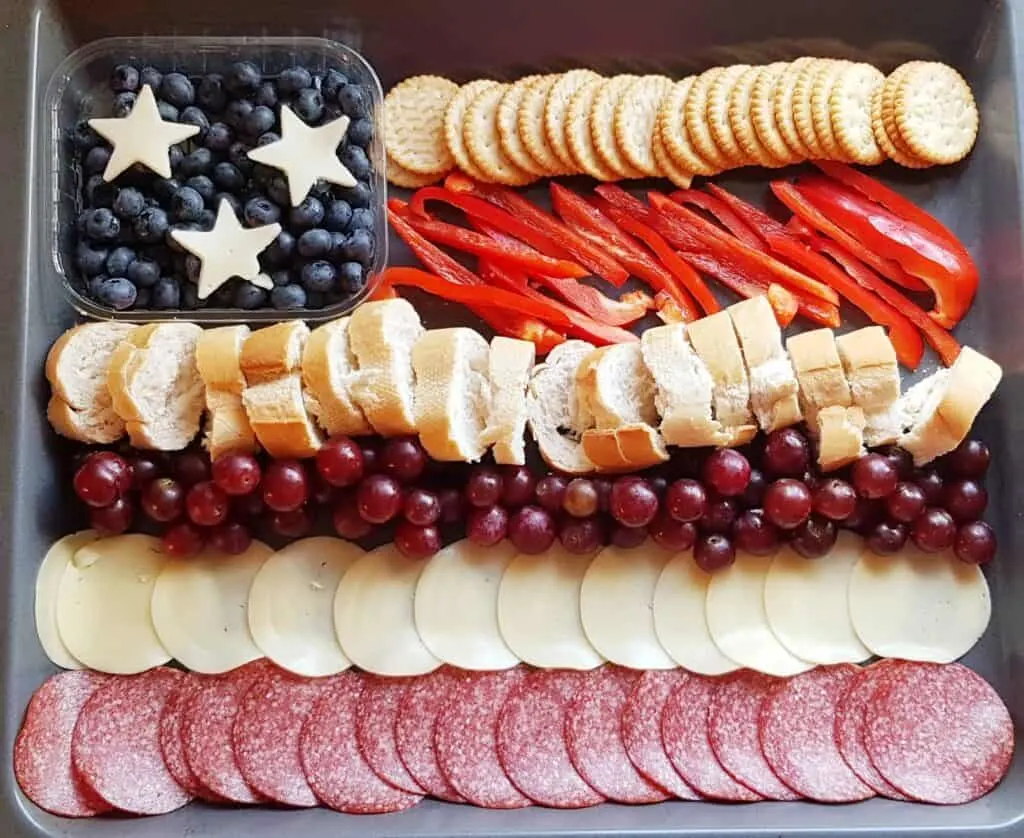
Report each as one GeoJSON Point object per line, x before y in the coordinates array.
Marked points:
{"type": "Point", "coordinates": [453, 119]}
{"type": "Point", "coordinates": [784, 108]}
{"type": "Point", "coordinates": [556, 112]}
{"type": "Point", "coordinates": [889, 108]}
{"type": "Point", "coordinates": [696, 117]}
{"type": "Point", "coordinates": [802, 117]}
{"type": "Point", "coordinates": [850, 112]}
{"type": "Point", "coordinates": [636, 122]}
{"type": "Point", "coordinates": [762, 113]}
{"type": "Point", "coordinates": [677, 175]}
{"type": "Point", "coordinates": [404, 179]}
{"type": "Point", "coordinates": [885, 142]}
{"type": "Point", "coordinates": [578, 137]}
{"type": "Point", "coordinates": [414, 124]}
{"type": "Point", "coordinates": [674, 135]}
{"type": "Point", "coordinates": [602, 125]}
{"type": "Point", "coordinates": [480, 133]}
{"type": "Point", "coordinates": [508, 127]}
{"type": "Point", "coordinates": [821, 116]}
{"type": "Point", "coordinates": [531, 125]}
{"type": "Point", "coordinates": [935, 113]}
{"type": "Point", "coordinates": [742, 122]}
{"type": "Point", "coordinates": [719, 95]}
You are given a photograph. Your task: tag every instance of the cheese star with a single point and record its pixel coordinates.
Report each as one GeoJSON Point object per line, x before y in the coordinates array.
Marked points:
{"type": "Point", "coordinates": [141, 137]}
{"type": "Point", "coordinates": [306, 154]}
{"type": "Point", "coordinates": [228, 250]}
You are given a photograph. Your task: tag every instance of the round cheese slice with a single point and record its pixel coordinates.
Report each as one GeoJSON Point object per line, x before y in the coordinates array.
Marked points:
{"type": "Point", "coordinates": [738, 622]}
{"type": "Point", "coordinates": [373, 615]}
{"type": "Point", "coordinates": [539, 610]}
{"type": "Point", "coordinates": [617, 606]}
{"type": "Point", "coordinates": [456, 606]}
{"type": "Point", "coordinates": [291, 605]}
{"type": "Point", "coordinates": [807, 603]}
{"type": "Point", "coordinates": [918, 606]}
{"type": "Point", "coordinates": [200, 608]}
{"type": "Point", "coordinates": [48, 578]}
{"type": "Point", "coordinates": [680, 618]}
{"type": "Point", "coordinates": [103, 605]}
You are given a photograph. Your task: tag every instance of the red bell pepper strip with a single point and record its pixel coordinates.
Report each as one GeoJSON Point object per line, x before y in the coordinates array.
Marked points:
{"type": "Point", "coordinates": [594, 258]}
{"type": "Point", "coordinates": [429, 254]}
{"type": "Point", "coordinates": [722, 213]}
{"type": "Point", "coordinates": [783, 303]}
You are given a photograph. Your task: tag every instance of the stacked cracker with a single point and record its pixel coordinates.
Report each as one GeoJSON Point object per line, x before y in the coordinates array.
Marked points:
{"type": "Point", "coordinates": [628, 126]}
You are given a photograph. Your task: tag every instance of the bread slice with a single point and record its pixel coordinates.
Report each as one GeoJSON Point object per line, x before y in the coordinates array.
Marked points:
{"type": "Point", "coordinates": [273, 397]}
{"type": "Point", "coordinates": [382, 335]}
{"type": "Point", "coordinates": [819, 372]}
{"type": "Point", "coordinates": [509, 367]}
{"type": "Point", "coordinates": [773, 384]}
{"type": "Point", "coordinates": [553, 408]}
{"type": "Point", "coordinates": [80, 406]}
{"type": "Point", "coordinates": [602, 449]}
{"type": "Point", "coordinates": [155, 386]}
{"type": "Point", "coordinates": [219, 359]}
{"type": "Point", "coordinates": [872, 371]}
{"type": "Point", "coordinates": [453, 393]}
{"type": "Point", "coordinates": [328, 372]}
{"type": "Point", "coordinates": [627, 448]}
{"type": "Point", "coordinates": [616, 387]}
{"type": "Point", "coordinates": [840, 432]}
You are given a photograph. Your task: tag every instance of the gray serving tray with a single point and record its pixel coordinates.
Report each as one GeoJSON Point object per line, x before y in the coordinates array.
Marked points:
{"type": "Point", "coordinates": [980, 199]}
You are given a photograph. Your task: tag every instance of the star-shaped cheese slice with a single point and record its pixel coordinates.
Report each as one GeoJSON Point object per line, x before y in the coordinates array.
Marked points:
{"type": "Point", "coordinates": [306, 154]}
{"type": "Point", "coordinates": [141, 137]}
{"type": "Point", "coordinates": [228, 250]}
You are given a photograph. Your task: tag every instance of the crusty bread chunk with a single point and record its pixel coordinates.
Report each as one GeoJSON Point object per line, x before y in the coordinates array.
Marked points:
{"type": "Point", "coordinates": [155, 385]}
{"type": "Point", "coordinates": [840, 432]}
{"type": "Point", "coordinates": [819, 372]}
{"type": "Point", "coordinates": [553, 408]}
{"type": "Point", "coordinates": [382, 334]}
{"type": "Point", "coordinates": [329, 370]}
{"type": "Point", "coordinates": [629, 447]}
{"type": "Point", "coordinates": [616, 387]}
{"type": "Point", "coordinates": [219, 359]}
{"type": "Point", "coordinates": [872, 371]}
{"type": "Point", "coordinates": [80, 407]}
{"type": "Point", "coordinates": [509, 366]}
{"type": "Point", "coordinates": [452, 393]}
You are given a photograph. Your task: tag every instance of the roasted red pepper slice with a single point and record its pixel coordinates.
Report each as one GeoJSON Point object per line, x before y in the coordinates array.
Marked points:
{"type": "Point", "coordinates": [714, 206]}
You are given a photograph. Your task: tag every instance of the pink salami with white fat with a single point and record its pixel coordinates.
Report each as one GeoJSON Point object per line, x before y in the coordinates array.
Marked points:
{"type": "Point", "coordinates": [939, 734]}
{"type": "Point", "coordinates": [171, 743]}
{"type": "Point", "coordinates": [330, 756]}
{"type": "Point", "coordinates": [375, 730]}
{"type": "Point", "coordinates": [414, 731]}
{"type": "Point", "coordinates": [42, 751]}
{"type": "Point", "coordinates": [115, 747]}
{"type": "Point", "coordinates": [798, 740]}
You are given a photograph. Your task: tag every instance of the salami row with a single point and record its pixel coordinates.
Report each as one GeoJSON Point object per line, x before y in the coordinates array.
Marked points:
{"type": "Point", "coordinates": [148, 744]}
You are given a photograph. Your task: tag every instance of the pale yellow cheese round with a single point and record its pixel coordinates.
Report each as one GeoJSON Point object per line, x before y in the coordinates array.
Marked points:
{"type": "Point", "coordinates": [48, 578]}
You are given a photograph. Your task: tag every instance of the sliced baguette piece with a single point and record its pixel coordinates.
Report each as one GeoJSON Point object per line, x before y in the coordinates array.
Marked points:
{"type": "Point", "coordinates": [77, 364]}
{"type": "Point", "coordinates": [627, 448]}
{"type": "Point", "coordinates": [328, 372]}
{"type": "Point", "coordinates": [840, 432]}
{"type": "Point", "coordinates": [872, 371]}
{"type": "Point", "coordinates": [155, 385]}
{"type": "Point", "coordinates": [382, 335]}
{"type": "Point", "coordinates": [617, 387]}
{"type": "Point", "coordinates": [553, 409]}
{"type": "Point", "coordinates": [819, 372]}
{"type": "Point", "coordinates": [602, 449]}
{"type": "Point", "coordinates": [452, 393]}
{"type": "Point", "coordinates": [227, 425]}
{"type": "Point", "coordinates": [509, 366]}
{"type": "Point", "coordinates": [219, 360]}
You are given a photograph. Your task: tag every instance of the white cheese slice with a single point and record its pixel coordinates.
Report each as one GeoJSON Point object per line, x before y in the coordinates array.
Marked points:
{"type": "Point", "coordinates": [48, 578]}
{"type": "Point", "coordinates": [807, 602]}
{"type": "Point", "coordinates": [291, 605]}
{"type": "Point", "coordinates": [539, 610]}
{"type": "Point", "coordinates": [200, 608]}
{"type": "Point", "coordinates": [373, 615]}
{"type": "Point", "coordinates": [456, 606]}
{"type": "Point", "coordinates": [617, 606]}
{"type": "Point", "coordinates": [738, 622]}
{"type": "Point", "coordinates": [918, 606]}
{"type": "Point", "coordinates": [103, 605]}
{"type": "Point", "coordinates": [680, 618]}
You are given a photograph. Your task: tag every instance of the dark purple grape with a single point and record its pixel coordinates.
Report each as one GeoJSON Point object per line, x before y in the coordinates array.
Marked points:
{"type": "Point", "coordinates": [965, 500]}
{"type": "Point", "coordinates": [969, 460]}
{"type": "Point", "coordinates": [206, 504]}
{"type": "Point", "coordinates": [348, 523]}
{"type": "Point", "coordinates": [931, 483]}
{"type": "Point", "coordinates": [144, 471]}
{"type": "Point", "coordinates": [754, 533]}
{"type": "Point", "coordinates": [487, 525]}
{"type": "Point", "coordinates": [835, 499]}
{"type": "Point", "coordinates": [484, 487]}
{"type": "Point", "coordinates": [627, 538]}
{"type": "Point", "coordinates": [582, 536]}
{"type": "Point", "coordinates": [686, 500]}
{"type": "Point", "coordinates": [453, 506]}
{"type": "Point", "coordinates": [975, 543]}
{"type": "Point", "coordinates": [518, 485]}
{"type": "Point", "coordinates": [865, 516]}
{"type": "Point", "coordinates": [632, 502]}
{"type": "Point", "coordinates": [232, 539]}
{"type": "Point", "coordinates": [191, 468]}
{"type": "Point", "coordinates": [113, 519]}
{"type": "Point", "coordinates": [604, 493]}
{"type": "Point", "coordinates": [814, 538]}
{"type": "Point", "coordinates": [295, 523]}
{"type": "Point", "coordinates": [934, 531]}
{"type": "Point", "coordinates": [786, 453]}
{"type": "Point", "coordinates": [905, 503]}
{"type": "Point", "coordinates": [550, 492]}
{"type": "Point", "coordinates": [887, 538]}
{"type": "Point", "coordinates": [713, 552]}
{"type": "Point", "coordinates": [874, 476]}
{"type": "Point", "coordinates": [421, 508]}
{"type": "Point", "coordinates": [787, 503]}
{"type": "Point", "coordinates": [379, 498]}
{"type": "Point", "coordinates": [753, 495]}
{"type": "Point", "coordinates": [727, 471]}
{"type": "Point", "coordinates": [102, 478]}
{"type": "Point", "coordinates": [719, 516]}
{"type": "Point", "coordinates": [340, 461]}
{"type": "Point", "coordinates": [163, 500]}
{"type": "Point", "coordinates": [403, 458]}
{"type": "Point", "coordinates": [670, 534]}
{"type": "Point", "coordinates": [900, 460]}
{"type": "Point", "coordinates": [532, 530]}
{"type": "Point", "coordinates": [417, 542]}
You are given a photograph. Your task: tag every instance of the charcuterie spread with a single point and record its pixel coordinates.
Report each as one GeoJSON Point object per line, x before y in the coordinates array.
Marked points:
{"type": "Point", "coordinates": [681, 498]}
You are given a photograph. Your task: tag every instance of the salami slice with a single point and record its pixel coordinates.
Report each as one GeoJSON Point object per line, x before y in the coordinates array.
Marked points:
{"type": "Point", "coordinates": [684, 732]}
{"type": "Point", "coordinates": [849, 731]}
{"type": "Point", "coordinates": [641, 730]}
{"type": "Point", "coordinates": [116, 744]}
{"type": "Point", "coordinates": [206, 731]}
{"type": "Point", "coordinates": [939, 734]}
{"type": "Point", "coordinates": [42, 751]}
{"type": "Point", "coordinates": [375, 730]}
{"type": "Point", "coordinates": [414, 731]}
{"type": "Point", "coordinates": [593, 735]}
{"type": "Point", "coordinates": [798, 740]}
{"type": "Point", "coordinates": [733, 733]}
{"type": "Point", "coordinates": [531, 742]}
{"type": "Point", "coordinates": [330, 757]}
{"type": "Point", "coordinates": [265, 735]}
{"type": "Point", "coordinates": [171, 744]}
{"type": "Point", "coordinates": [465, 739]}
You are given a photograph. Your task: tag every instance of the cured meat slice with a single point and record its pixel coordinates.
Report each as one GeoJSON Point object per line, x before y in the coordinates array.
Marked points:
{"type": "Point", "coordinates": [798, 740]}
{"type": "Point", "coordinates": [171, 744]}
{"type": "Point", "coordinates": [465, 740]}
{"type": "Point", "coordinates": [641, 731]}
{"type": "Point", "coordinates": [684, 732]}
{"type": "Point", "coordinates": [531, 743]}
{"type": "Point", "coordinates": [939, 734]}
{"type": "Point", "coordinates": [375, 730]}
{"type": "Point", "coordinates": [42, 751]}
{"type": "Point", "coordinates": [414, 731]}
{"type": "Point", "coordinates": [116, 744]}
{"type": "Point", "coordinates": [593, 736]}
{"type": "Point", "coordinates": [733, 733]}
{"type": "Point", "coordinates": [330, 756]}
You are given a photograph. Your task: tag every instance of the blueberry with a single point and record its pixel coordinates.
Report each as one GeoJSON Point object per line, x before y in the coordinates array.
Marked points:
{"type": "Point", "coordinates": [197, 162]}
{"type": "Point", "coordinates": [165, 294]}
{"type": "Point", "coordinates": [186, 204]}
{"type": "Point", "coordinates": [96, 160]}
{"type": "Point", "coordinates": [355, 160]}
{"type": "Point", "coordinates": [332, 111]}
{"type": "Point", "coordinates": [266, 95]}
{"type": "Point", "coordinates": [162, 255]}
{"type": "Point", "coordinates": [178, 90]}
{"type": "Point", "coordinates": [307, 214]}
{"type": "Point", "coordinates": [294, 79]}
{"type": "Point", "coordinates": [151, 225]}
{"type": "Point", "coordinates": [151, 76]}
{"type": "Point", "coordinates": [332, 82]}
{"type": "Point", "coordinates": [285, 297]}
{"type": "Point", "coordinates": [353, 101]}
{"type": "Point", "coordinates": [315, 244]}
{"type": "Point", "coordinates": [189, 297]}
{"type": "Point", "coordinates": [236, 112]}
{"type": "Point", "coordinates": [227, 177]}
{"type": "Point", "coordinates": [309, 105]}
{"type": "Point", "coordinates": [338, 247]}
{"type": "Point", "coordinates": [196, 116]}
{"type": "Point", "coordinates": [175, 155]}
{"type": "Point", "coordinates": [144, 273]}
{"type": "Point", "coordinates": [358, 195]}
{"type": "Point", "coordinates": [124, 79]}
{"type": "Point", "coordinates": [258, 121]}
{"type": "Point", "coordinates": [280, 250]}
{"type": "Point", "coordinates": [223, 296]}
{"type": "Point", "coordinates": [193, 267]}
{"type": "Point", "coordinates": [129, 203]}
{"type": "Point", "coordinates": [242, 78]}
{"type": "Point", "coordinates": [168, 113]}
{"type": "Point", "coordinates": [116, 292]}
{"type": "Point", "coordinates": [207, 220]}
{"type": "Point", "coordinates": [239, 155]}
{"type": "Point", "coordinates": [142, 298]}
{"type": "Point", "coordinates": [219, 137]}
{"type": "Point", "coordinates": [233, 202]}
{"type": "Point", "coordinates": [119, 260]}
{"type": "Point", "coordinates": [204, 186]}
{"type": "Point", "coordinates": [337, 217]}
{"type": "Point", "coordinates": [164, 188]}
{"type": "Point", "coordinates": [83, 137]}
{"type": "Point", "coordinates": [99, 193]}
{"type": "Point", "coordinates": [360, 132]}
{"type": "Point", "coordinates": [277, 189]}
{"type": "Point", "coordinates": [351, 277]}
{"type": "Point", "coordinates": [359, 247]}
{"type": "Point", "coordinates": [123, 104]}
{"type": "Point", "coordinates": [266, 138]}
{"type": "Point", "coordinates": [211, 94]}
{"type": "Point", "coordinates": [281, 278]}
{"type": "Point", "coordinates": [262, 175]}
{"type": "Point", "coordinates": [90, 260]}
{"type": "Point", "coordinates": [102, 225]}
{"type": "Point", "coordinates": [362, 219]}
{"type": "Point", "coordinates": [261, 211]}
{"type": "Point", "coordinates": [248, 296]}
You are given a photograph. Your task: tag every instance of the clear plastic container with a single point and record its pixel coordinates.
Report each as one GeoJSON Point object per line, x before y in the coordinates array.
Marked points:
{"type": "Point", "coordinates": [79, 90]}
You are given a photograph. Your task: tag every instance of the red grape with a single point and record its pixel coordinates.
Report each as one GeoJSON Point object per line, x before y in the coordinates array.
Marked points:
{"type": "Point", "coordinates": [686, 500]}
{"type": "Point", "coordinates": [248, 507]}
{"type": "Point", "coordinates": [633, 502]}
{"type": "Point", "coordinates": [487, 525]}
{"type": "Point", "coordinates": [98, 482]}
{"type": "Point", "coordinates": [835, 499]}
{"type": "Point", "coordinates": [403, 458]}
{"type": "Point", "coordinates": [191, 467]}
{"type": "Point", "coordinates": [786, 453]}
{"type": "Point", "coordinates": [517, 486]}
{"type": "Point", "coordinates": [484, 487]}
{"type": "Point", "coordinates": [163, 500]}
{"type": "Point", "coordinates": [550, 492]}
{"type": "Point", "coordinates": [670, 534]}
{"type": "Point", "coordinates": [719, 516]}
{"type": "Point", "coordinates": [144, 471]}
{"type": "Point", "coordinates": [754, 533]}
{"type": "Point", "coordinates": [969, 459]}
{"type": "Point", "coordinates": [182, 540]}
{"type": "Point", "coordinates": [206, 504]}
{"type": "Point", "coordinates": [236, 473]}
{"type": "Point", "coordinates": [379, 498]}
{"type": "Point", "coordinates": [581, 499]}
{"type": "Point", "coordinates": [713, 552]}
{"type": "Point", "coordinates": [900, 460]}
{"type": "Point", "coordinates": [604, 492]}
{"type": "Point", "coordinates": [658, 484]}
{"type": "Point", "coordinates": [814, 537]}
{"type": "Point", "coordinates": [532, 530]}
{"type": "Point", "coordinates": [787, 503]}
{"type": "Point", "coordinates": [295, 523]}
{"type": "Point", "coordinates": [975, 543]}
{"type": "Point", "coordinates": [321, 493]}
{"type": "Point", "coordinates": [874, 476]}
{"type": "Point", "coordinates": [753, 495]}
{"type": "Point", "coordinates": [421, 508]}
{"type": "Point", "coordinates": [453, 506]}
{"type": "Point", "coordinates": [727, 471]}
{"type": "Point", "coordinates": [113, 519]}
{"type": "Point", "coordinates": [934, 531]}
{"type": "Point", "coordinates": [348, 523]}
{"type": "Point", "coordinates": [582, 536]}
{"type": "Point", "coordinates": [866, 515]}
{"type": "Point", "coordinates": [628, 537]}
{"type": "Point", "coordinates": [340, 462]}
{"type": "Point", "coordinates": [905, 503]}
{"type": "Point", "coordinates": [931, 483]}
{"type": "Point", "coordinates": [231, 538]}
{"type": "Point", "coordinates": [417, 542]}
{"type": "Point", "coordinates": [371, 456]}
{"type": "Point", "coordinates": [285, 487]}
{"type": "Point", "coordinates": [965, 500]}
{"type": "Point", "coordinates": [121, 468]}
{"type": "Point", "coordinates": [887, 538]}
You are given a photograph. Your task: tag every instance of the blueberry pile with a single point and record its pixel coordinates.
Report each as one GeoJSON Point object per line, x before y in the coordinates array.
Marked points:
{"type": "Point", "coordinates": [124, 254]}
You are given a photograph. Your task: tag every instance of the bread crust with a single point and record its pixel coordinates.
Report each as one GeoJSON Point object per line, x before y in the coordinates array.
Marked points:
{"type": "Point", "coordinates": [840, 432]}
{"type": "Point", "coordinates": [328, 369]}
{"type": "Point", "coordinates": [219, 359]}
